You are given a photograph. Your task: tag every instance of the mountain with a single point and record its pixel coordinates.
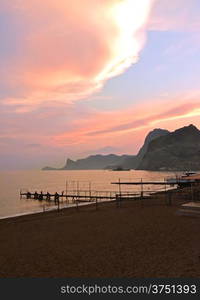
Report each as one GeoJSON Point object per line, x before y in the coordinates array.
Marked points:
{"type": "Point", "coordinates": [133, 162]}
{"type": "Point", "coordinates": [162, 150]}
{"type": "Point", "coordinates": [178, 150]}
{"type": "Point", "coordinates": [93, 162]}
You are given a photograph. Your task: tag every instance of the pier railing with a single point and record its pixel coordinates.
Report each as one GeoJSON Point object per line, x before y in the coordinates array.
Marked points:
{"type": "Point", "coordinates": [79, 196]}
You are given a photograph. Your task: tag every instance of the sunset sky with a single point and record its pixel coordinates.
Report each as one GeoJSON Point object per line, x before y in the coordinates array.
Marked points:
{"type": "Point", "coordinates": [84, 77]}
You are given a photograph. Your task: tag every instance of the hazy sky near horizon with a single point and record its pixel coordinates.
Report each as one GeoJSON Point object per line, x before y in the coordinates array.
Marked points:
{"type": "Point", "coordinates": [86, 76]}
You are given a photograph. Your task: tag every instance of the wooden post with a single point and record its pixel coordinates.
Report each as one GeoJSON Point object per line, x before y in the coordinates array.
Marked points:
{"type": "Point", "coordinates": [192, 193]}
{"type": "Point", "coordinates": [141, 189]}
{"type": "Point", "coordinates": [96, 200]}
{"type": "Point", "coordinates": [62, 195]}
{"type": "Point", "coordinates": [66, 187]}
{"type": "Point", "coordinates": [142, 193]}
{"type": "Point", "coordinates": [77, 208]}
{"type": "Point", "coordinates": [77, 188]}
{"type": "Point", "coordinates": [58, 202]}
{"type": "Point", "coordinates": [166, 194]}
{"type": "Point", "coordinates": [119, 187]}
{"type": "Point", "coordinates": [97, 194]}
{"type": "Point", "coordinates": [117, 200]}
{"type": "Point", "coordinates": [90, 192]}
{"type": "Point", "coordinates": [74, 191]}
{"type": "Point", "coordinates": [120, 194]}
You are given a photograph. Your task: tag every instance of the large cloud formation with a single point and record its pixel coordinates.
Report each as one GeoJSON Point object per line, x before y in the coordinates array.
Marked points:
{"type": "Point", "coordinates": [110, 125]}
{"type": "Point", "coordinates": [65, 50]}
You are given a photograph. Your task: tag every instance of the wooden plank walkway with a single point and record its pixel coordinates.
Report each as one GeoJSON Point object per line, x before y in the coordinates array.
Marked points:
{"type": "Point", "coordinates": [76, 196]}
{"type": "Point", "coordinates": [46, 196]}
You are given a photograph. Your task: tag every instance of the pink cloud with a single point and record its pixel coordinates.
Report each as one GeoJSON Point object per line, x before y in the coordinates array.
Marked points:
{"type": "Point", "coordinates": [112, 126]}
{"type": "Point", "coordinates": [67, 49]}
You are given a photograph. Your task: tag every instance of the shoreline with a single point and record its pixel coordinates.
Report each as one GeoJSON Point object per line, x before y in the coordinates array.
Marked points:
{"type": "Point", "coordinates": [73, 205]}
{"type": "Point", "coordinates": [52, 209]}
{"type": "Point", "coordinates": [40, 211]}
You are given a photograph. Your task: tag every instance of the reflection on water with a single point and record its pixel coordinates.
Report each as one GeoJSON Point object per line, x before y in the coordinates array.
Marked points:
{"type": "Point", "coordinates": [11, 182]}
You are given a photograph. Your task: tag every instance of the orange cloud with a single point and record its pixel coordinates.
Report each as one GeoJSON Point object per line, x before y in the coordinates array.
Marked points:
{"type": "Point", "coordinates": [67, 49]}
{"type": "Point", "coordinates": [110, 126]}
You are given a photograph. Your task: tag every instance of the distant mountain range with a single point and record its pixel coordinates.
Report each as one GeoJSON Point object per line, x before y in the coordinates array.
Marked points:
{"type": "Point", "coordinates": [94, 162]}
{"type": "Point", "coordinates": [162, 150]}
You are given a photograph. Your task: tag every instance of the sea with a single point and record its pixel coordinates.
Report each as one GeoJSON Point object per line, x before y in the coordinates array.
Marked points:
{"type": "Point", "coordinates": [12, 182]}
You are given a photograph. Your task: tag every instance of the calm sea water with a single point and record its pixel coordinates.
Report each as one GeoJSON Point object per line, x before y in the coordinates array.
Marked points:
{"type": "Point", "coordinates": [11, 182]}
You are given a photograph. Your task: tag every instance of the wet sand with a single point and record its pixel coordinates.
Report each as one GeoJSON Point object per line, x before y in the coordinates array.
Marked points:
{"type": "Point", "coordinates": [137, 240]}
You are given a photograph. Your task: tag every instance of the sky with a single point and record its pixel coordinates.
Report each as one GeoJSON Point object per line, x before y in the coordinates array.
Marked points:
{"type": "Point", "coordinates": [87, 77]}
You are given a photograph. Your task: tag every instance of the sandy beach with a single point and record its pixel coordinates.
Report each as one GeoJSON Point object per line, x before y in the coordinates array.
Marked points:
{"type": "Point", "coordinates": [136, 240]}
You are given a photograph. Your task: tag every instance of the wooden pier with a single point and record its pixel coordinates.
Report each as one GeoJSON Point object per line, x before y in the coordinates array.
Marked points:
{"type": "Point", "coordinates": [49, 197]}
{"type": "Point", "coordinates": [63, 200]}
{"type": "Point", "coordinates": [76, 195]}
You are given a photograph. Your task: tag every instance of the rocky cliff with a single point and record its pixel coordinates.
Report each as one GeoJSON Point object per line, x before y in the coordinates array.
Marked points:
{"type": "Point", "coordinates": [178, 150]}
{"type": "Point", "coordinates": [134, 162]}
